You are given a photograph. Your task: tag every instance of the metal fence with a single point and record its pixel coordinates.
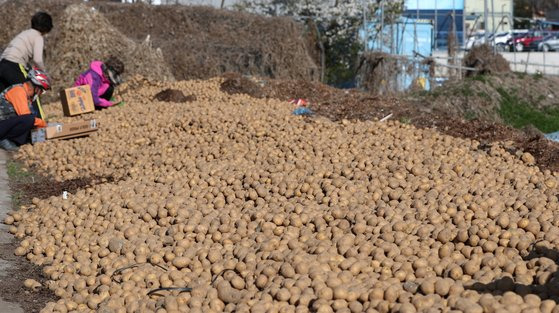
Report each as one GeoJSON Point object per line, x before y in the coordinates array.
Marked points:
{"type": "Point", "coordinates": [546, 63]}
{"type": "Point", "coordinates": [406, 72]}
{"type": "Point", "coordinates": [385, 73]}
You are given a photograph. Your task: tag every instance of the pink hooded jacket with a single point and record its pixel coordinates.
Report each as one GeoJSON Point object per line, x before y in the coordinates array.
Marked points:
{"type": "Point", "coordinates": [97, 81]}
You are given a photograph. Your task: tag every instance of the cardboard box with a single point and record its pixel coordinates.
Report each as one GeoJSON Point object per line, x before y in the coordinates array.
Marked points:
{"type": "Point", "coordinates": [77, 100]}
{"type": "Point", "coordinates": [64, 131]}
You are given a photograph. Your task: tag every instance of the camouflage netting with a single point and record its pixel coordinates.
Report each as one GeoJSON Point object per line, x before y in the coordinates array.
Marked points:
{"type": "Point", "coordinates": [195, 42]}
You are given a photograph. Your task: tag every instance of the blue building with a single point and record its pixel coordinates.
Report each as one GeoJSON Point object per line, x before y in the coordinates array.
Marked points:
{"type": "Point", "coordinates": [405, 37]}
{"type": "Point", "coordinates": [402, 37]}
{"type": "Point", "coordinates": [443, 14]}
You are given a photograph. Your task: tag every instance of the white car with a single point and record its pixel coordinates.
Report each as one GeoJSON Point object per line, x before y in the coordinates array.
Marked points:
{"type": "Point", "coordinates": [474, 40]}
{"type": "Point", "coordinates": [502, 40]}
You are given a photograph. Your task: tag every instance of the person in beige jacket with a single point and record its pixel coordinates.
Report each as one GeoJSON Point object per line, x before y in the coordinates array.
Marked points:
{"type": "Point", "coordinates": [25, 52]}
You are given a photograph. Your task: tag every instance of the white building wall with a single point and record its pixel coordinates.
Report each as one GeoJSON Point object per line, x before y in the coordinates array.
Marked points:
{"type": "Point", "coordinates": [499, 13]}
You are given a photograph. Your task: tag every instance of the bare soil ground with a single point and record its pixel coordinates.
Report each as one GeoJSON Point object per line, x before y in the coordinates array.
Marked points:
{"type": "Point", "coordinates": [24, 188]}
{"type": "Point", "coordinates": [173, 95]}
{"type": "Point", "coordinates": [12, 289]}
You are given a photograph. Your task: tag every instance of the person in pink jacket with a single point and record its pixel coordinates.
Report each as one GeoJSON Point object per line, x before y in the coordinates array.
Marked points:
{"type": "Point", "coordinates": [102, 77]}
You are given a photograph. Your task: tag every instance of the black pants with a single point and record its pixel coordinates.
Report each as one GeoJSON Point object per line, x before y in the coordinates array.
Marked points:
{"type": "Point", "coordinates": [10, 74]}
{"type": "Point", "coordinates": [17, 128]}
{"type": "Point", "coordinates": [108, 93]}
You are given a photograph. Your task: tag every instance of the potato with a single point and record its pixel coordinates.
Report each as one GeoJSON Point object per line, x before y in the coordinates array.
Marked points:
{"type": "Point", "coordinates": [9, 220]}
{"type": "Point", "coordinates": [180, 262]}
{"type": "Point", "coordinates": [32, 284]}
{"type": "Point", "coordinates": [259, 210]}
{"type": "Point", "coordinates": [227, 294]}
{"type": "Point", "coordinates": [442, 287]}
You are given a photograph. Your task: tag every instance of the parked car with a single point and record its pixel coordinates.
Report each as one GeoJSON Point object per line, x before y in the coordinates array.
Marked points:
{"type": "Point", "coordinates": [475, 40]}
{"type": "Point", "coordinates": [513, 39]}
{"type": "Point", "coordinates": [499, 40]}
{"type": "Point", "coordinates": [525, 43]}
{"type": "Point", "coordinates": [536, 44]}
{"type": "Point", "coordinates": [502, 40]}
{"type": "Point", "coordinates": [550, 43]}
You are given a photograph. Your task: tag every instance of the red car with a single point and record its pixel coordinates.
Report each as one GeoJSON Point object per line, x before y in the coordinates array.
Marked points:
{"type": "Point", "coordinates": [523, 43]}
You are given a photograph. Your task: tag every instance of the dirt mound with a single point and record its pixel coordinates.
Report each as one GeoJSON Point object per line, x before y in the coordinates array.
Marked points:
{"type": "Point", "coordinates": [482, 96]}
{"type": "Point", "coordinates": [17, 14]}
{"type": "Point", "coordinates": [314, 92]}
{"type": "Point", "coordinates": [236, 84]}
{"type": "Point", "coordinates": [84, 34]}
{"type": "Point", "coordinates": [485, 60]}
{"type": "Point", "coordinates": [173, 95]}
{"type": "Point", "coordinates": [197, 42]}
{"type": "Point", "coordinates": [202, 42]}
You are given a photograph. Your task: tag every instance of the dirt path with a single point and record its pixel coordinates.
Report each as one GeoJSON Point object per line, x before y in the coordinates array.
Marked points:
{"type": "Point", "coordinates": [19, 188]}
{"type": "Point", "coordinates": [14, 270]}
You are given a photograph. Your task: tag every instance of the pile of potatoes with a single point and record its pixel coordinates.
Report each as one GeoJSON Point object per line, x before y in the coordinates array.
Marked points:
{"type": "Point", "coordinates": [258, 210]}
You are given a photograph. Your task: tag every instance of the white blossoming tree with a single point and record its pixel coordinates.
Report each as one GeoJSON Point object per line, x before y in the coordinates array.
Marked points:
{"type": "Point", "coordinates": [338, 23]}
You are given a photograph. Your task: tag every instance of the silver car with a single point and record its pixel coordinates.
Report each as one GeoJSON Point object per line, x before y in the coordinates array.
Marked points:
{"type": "Point", "coordinates": [549, 43]}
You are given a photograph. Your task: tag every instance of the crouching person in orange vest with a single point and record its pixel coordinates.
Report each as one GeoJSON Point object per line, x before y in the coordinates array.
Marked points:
{"type": "Point", "coordinates": [17, 113]}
